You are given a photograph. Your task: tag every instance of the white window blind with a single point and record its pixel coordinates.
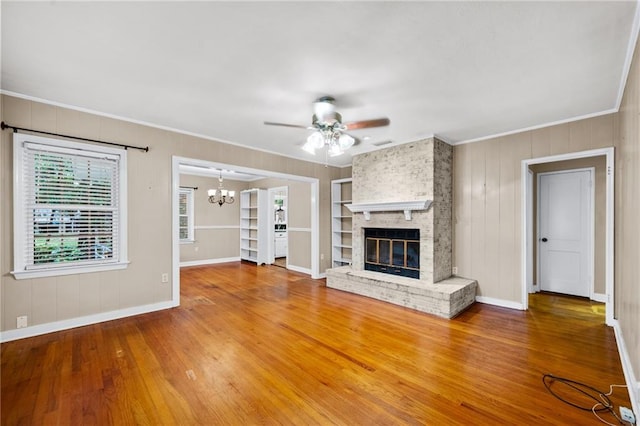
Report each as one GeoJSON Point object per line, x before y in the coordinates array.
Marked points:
{"type": "Point", "coordinates": [185, 212]}
{"type": "Point", "coordinates": [70, 203]}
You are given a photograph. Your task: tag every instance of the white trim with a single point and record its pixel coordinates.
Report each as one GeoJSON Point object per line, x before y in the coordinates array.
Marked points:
{"type": "Point", "coordinates": [599, 297]}
{"type": "Point", "coordinates": [50, 327]}
{"type": "Point", "coordinates": [609, 235]}
{"type": "Point", "coordinates": [591, 219]}
{"type": "Point", "coordinates": [71, 270]}
{"type": "Point", "coordinates": [525, 256]}
{"type": "Point", "coordinates": [529, 211]}
{"type": "Point", "coordinates": [175, 230]}
{"type": "Point", "coordinates": [299, 229]}
{"type": "Point", "coordinates": [315, 233]}
{"type": "Point", "coordinates": [201, 227]}
{"type": "Point", "coordinates": [500, 302]}
{"type": "Point", "coordinates": [537, 126]}
{"type": "Point", "coordinates": [391, 206]}
{"type": "Point", "coordinates": [343, 180]}
{"type": "Point", "coordinates": [209, 261]}
{"type": "Point", "coordinates": [633, 385]}
{"type": "Point", "coordinates": [301, 270]}
{"type": "Point", "coordinates": [610, 206]}
{"type": "Point", "coordinates": [633, 39]}
{"type": "Point", "coordinates": [271, 257]}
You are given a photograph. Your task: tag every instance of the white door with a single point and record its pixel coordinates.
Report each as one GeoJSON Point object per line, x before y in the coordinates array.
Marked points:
{"type": "Point", "coordinates": [565, 232]}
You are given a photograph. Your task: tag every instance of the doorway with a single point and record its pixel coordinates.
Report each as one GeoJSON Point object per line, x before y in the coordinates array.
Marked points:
{"type": "Point", "coordinates": [308, 237]}
{"type": "Point", "coordinates": [565, 232]}
{"type": "Point", "coordinates": [278, 235]}
{"type": "Point", "coordinates": [604, 207]}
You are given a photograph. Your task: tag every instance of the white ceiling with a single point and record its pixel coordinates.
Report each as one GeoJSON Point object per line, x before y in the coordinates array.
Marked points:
{"type": "Point", "coordinates": [459, 70]}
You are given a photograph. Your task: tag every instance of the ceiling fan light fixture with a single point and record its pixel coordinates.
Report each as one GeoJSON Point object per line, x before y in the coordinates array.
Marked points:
{"type": "Point", "coordinates": [345, 141]}
{"type": "Point", "coordinates": [309, 147]}
{"type": "Point", "coordinates": [334, 150]}
{"type": "Point", "coordinates": [328, 128]}
{"type": "Point", "coordinates": [316, 139]}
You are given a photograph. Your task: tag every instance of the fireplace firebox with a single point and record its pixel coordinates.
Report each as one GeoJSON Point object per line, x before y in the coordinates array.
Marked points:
{"type": "Point", "coordinates": [393, 251]}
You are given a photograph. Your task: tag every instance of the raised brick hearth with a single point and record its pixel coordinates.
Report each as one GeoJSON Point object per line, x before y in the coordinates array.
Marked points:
{"type": "Point", "coordinates": [446, 298]}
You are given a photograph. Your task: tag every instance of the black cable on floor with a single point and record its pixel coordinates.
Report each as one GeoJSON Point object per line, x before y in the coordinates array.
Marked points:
{"type": "Point", "coordinates": [599, 397]}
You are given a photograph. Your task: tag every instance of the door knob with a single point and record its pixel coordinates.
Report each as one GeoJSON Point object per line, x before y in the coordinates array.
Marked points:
{"type": "Point", "coordinates": [544, 240]}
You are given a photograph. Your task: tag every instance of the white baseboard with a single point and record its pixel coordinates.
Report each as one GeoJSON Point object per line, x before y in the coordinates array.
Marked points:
{"type": "Point", "coordinates": [599, 297]}
{"type": "Point", "coordinates": [320, 276]}
{"type": "Point", "coordinates": [633, 385]}
{"type": "Point", "coordinates": [500, 302]}
{"type": "Point", "coordinates": [36, 330]}
{"type": "Point", "coordinates": [209, 261]}
{"type": "Point", "coordinates": [299, 269]}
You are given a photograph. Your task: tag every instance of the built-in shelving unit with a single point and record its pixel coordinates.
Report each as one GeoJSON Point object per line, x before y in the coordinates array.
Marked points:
{"type": "Point", "coordinates": [341, 223]}
{"type": "Point", "coordinates": [254, 225]}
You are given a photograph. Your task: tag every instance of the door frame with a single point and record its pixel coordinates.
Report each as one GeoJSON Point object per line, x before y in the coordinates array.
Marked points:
{"type": "Point", "coordinates": [176, 161]}
{"type": "Point", "coordinates": [527, 190]}
{"type": "Point", "coordinates": [271, 252]}
{"type": "Point", "coordinates": [591, 219]}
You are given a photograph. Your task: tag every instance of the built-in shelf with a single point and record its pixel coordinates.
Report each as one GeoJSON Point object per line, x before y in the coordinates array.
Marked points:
{"type": "Point", "coordinates": [392, 206]}
{"type": "Point", "coordinates": [341, 223]}
{"type": "Point", "coordinates": [254, 235]}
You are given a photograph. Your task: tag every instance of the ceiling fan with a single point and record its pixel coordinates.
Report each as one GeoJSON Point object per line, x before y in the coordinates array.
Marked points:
{"type": "Point", "coordinates": [328, 128]}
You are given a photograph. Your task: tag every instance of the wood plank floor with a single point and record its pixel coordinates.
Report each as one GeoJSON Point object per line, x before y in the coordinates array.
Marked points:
{"type": "Point", "coordinates": [262, 345]}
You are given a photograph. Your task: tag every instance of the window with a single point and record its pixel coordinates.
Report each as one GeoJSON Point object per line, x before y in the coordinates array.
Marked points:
{"type": "Point", "coordinates": [69, 207]}
{"type": "Point", "coordinates": [185, 212]}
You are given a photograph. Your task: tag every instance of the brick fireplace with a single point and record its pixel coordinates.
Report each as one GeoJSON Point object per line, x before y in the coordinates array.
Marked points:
{"type": "Point", "coordinates": [406, 187]}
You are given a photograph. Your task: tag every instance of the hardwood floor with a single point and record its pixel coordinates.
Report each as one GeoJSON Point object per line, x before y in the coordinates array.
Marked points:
{"type": "Point", "coordinates": [263, 345]}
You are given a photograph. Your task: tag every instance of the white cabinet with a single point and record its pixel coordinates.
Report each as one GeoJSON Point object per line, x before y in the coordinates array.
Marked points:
{"type": "Point", "coordinates": [341, 222]}
{"type": "Point", "coordinates": [254, 225]}
{"type": "Point", "coordinates": [280, 244]}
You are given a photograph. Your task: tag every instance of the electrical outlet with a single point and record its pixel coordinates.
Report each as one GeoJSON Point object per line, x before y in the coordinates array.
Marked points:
{"type": "Point", "coordinates": [321, 256]}
{"type": "Point", "coordinates": [165, 278]}
{"type": "Point", "coordinates": [22, 322]}
{"type": "Point", "coordinates": [454, 270]}
{"type": "Point", "coordinates": [627, 415]}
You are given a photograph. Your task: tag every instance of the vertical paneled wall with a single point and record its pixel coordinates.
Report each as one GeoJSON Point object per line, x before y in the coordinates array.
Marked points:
{"type": "Point", "coordinates": [627, 202]}
{"type": "Point", "coordinates": [487, 199]}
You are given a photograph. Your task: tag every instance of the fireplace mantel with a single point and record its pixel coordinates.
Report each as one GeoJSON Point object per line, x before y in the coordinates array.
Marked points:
{"type": "Point", "coordinates": [391, 206]}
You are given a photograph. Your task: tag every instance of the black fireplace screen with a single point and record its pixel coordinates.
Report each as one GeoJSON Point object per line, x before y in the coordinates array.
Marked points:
{"type": "Point", "coordinates": [393, 251]}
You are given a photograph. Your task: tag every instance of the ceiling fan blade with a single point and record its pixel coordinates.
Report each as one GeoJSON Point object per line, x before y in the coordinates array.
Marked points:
{"type": "Point", "coordinates": [297, 126]}
{"type": "Point", "coordinates": [365, 124]}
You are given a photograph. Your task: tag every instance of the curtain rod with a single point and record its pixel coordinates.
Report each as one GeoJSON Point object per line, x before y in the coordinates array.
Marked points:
{"type": "Point", "coordinates": [195, 188]}
{"type": "Point", "coordinates": [4, 126]}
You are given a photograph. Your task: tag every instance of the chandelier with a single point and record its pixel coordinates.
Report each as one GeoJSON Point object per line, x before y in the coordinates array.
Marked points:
{"type": "Point", "coordinates": [328, 130]}
{"type": "Point", "coordinates": [221, 195]}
